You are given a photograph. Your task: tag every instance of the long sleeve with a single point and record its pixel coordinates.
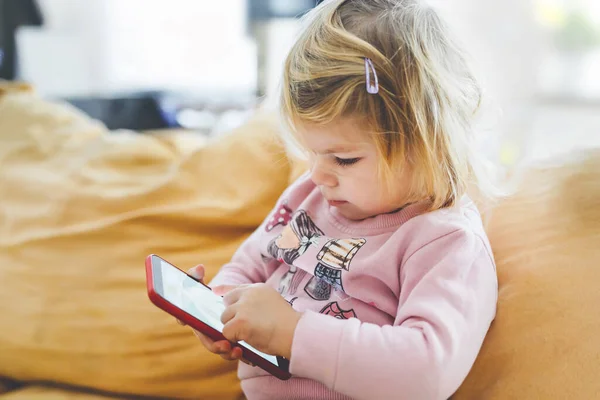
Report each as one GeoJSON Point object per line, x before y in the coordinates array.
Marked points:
{"type": "Point", "coordinates": [246, 265]}
{"type": "Point", "coordinates": [447, 302]}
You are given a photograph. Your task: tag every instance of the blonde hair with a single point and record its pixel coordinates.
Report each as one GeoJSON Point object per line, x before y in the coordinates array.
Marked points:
{"type": "Point", "coordinates": [422, 116]}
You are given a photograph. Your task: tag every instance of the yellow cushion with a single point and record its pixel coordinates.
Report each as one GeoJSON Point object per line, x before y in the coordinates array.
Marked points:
{"type": "Point", "coordinates": [5, 385]}
{"type": "Point", "coordinates": [47, 393]}
{"type": "Point", "coordinates": [545, 341]}
{"type": "Point", "coordinates": [81, 207]}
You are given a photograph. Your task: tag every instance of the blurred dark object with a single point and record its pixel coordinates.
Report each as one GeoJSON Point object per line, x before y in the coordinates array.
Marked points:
{"type": "Point", "coordinates": [266, 9]}
{"type": "Point", "coordinates": [14, 14]}
{"type": "Point", "coordinates": [260, 14]}
{"type": "Point", "coordinates": [136, 112]}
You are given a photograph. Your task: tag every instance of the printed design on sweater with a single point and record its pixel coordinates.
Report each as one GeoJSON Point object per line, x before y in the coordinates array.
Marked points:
{"type": "Point", "coordinates": [318, 289]}
{"type": "Point", "coordinates": [281, 216]}
{"type": "Point", "coordinates": [336, 311]}
{"type": "Point", "coordinates": [291, 301]}
{"type": "Point", "coordinates": [335, 257]}
{"type": "Point", "coordinates": [298, 235]}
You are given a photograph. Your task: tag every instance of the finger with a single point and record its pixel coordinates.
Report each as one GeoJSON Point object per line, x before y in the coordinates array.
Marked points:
{"type": "Point", "coordinates": [223, 347]}
{"type": "Point", "coordinates": [238, 354]}
{"type": "Point", "coordinates": [228, 351]}
{"type": "Point", "coordinates": [232, 296]}
{"type": "Point", "coordinates": [234, 353]}
{"type": "Point", "coordinates": [222, 290]}
{"type": "Point", "coordinates": [197, 272]}
{"type": "Point", "coordinates": [228, 314]}
{"type": "Point", "coordinates": [180, 322]}
{"type": "Point", "coordinates": [207, 342]}
{"type": "Point", "coordinates": [236, 330]}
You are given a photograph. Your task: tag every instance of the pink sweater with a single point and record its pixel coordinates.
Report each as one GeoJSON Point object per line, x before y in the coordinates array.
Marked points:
{"type": "Point", "coordinates": [395, 306]}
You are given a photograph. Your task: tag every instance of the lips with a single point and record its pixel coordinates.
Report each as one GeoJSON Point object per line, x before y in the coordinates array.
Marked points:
{"type": "Point", "coordinates": [336, 203]}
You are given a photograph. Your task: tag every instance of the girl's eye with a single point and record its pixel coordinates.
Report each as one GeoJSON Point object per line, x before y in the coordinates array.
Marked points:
{"type": "Point", "coordinates": [344, 162]}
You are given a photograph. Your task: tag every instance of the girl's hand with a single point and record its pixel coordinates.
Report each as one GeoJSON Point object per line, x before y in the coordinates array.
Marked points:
{"type": "Point", "coordinates": [222, 347]}
{"type": "Point", "coordinates": [258, 315]}
{"type": "Point", "coordinates": [198, 273]}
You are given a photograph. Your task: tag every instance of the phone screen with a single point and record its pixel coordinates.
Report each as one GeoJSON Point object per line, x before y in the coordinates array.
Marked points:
{"type": "Point", "coordinates": [185, 293]}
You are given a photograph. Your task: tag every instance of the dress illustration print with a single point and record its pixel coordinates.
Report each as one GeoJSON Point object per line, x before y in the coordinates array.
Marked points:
{"type": "Point", "coordinates": [335, 256]}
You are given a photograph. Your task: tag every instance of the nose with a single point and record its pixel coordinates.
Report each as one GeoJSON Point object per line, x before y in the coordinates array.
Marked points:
{"type": "Point", "coordinates": [321, 175]}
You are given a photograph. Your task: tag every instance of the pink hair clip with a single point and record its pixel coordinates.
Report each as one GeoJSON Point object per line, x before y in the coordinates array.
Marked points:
{"type": "Point", "coordinates": [372, 87]}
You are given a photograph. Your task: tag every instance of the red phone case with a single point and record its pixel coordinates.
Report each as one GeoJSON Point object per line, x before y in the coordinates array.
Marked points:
{"type": "Point", "coordinates": [200, 326]}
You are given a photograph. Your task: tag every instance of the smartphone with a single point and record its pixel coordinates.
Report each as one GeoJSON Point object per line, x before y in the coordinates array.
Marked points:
{"type": "Point", "coordinates": [194, 303]}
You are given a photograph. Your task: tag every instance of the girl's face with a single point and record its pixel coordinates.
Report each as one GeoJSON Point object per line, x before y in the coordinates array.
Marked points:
{"type": "Point", "coordinates": [344, 166]}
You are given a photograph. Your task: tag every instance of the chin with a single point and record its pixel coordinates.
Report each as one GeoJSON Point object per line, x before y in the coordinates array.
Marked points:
{"type": "Point", "coordinates": [354, 215]}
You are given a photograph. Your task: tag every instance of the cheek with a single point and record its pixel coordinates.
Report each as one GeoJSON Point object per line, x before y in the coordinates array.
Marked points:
{"type": "Point", "coordinates": [365, 191]}
{"type": "Point", "coordinates": [361, 181]}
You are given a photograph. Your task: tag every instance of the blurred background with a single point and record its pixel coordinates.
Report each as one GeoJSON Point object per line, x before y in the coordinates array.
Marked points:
{"type": "Point", "coordinates": [205, 65]}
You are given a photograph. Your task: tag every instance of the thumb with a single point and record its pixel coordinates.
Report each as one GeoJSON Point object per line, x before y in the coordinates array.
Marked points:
{"type": "Point", "coordinates": [197, 272]}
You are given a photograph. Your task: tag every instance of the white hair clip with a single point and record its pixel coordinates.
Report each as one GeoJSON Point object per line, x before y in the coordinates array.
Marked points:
{"type": "Point", "coordinates": [372, 86]}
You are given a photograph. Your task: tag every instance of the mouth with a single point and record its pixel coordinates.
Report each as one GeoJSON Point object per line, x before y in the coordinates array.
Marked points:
{"type": "Point", "coordinates": [336, 203]}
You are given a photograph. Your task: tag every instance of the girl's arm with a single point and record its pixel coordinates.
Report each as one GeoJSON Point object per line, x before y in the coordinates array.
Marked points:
{"type": "Point", "coordinates": [246, 265]}
{"type": "Point", "coordinates": [447, 302]}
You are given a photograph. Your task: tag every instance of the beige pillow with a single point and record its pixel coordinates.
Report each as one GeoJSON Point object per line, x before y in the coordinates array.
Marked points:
{"type": "Point", "coordinates": [545, 341]}
{"type": "Point", "coordinates": [81, 207]}
{"type": "Point", "coordinates": [5, 385]}
{"type": "Point", "coordinates": [46, 393]}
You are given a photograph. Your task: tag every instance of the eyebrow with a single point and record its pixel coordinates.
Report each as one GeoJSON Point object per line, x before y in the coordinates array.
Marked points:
{"type": "Point", "coordinates": [341, 149]}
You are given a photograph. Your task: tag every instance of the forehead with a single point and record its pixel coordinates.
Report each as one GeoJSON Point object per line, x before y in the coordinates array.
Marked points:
{"type": "Point", "coordinates": [344, 135]}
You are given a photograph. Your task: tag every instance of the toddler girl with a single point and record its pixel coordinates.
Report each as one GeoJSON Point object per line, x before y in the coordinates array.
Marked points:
{"type": "Point", "coordinates": [373, 274]}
